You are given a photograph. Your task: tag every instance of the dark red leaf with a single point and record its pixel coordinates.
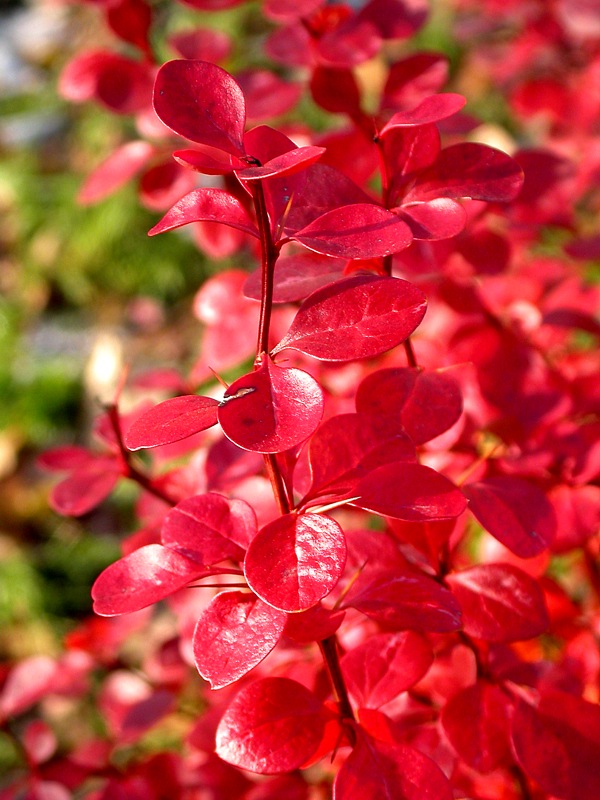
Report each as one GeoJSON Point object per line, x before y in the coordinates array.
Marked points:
{"type": "Point", "coordinates": [88, 486]}
{"type": "Point", "coordinates": [206, 205]}
{"type": "Point", "coordinates": [285, 164]}
{"type": "Point", "coordinates": [296, 560]}
{"type": "Point", "coordinates": [414, 78]}
{"type": "Point", "coordinates": [376, 770]}
{"type": "Point", "coordinates": [335, 90]}
{"type": "Point", "coordinates": [274, 725]}
{"type": "Point", "coordinates": [359, 317]}
{"type": "Point", "coordinates": [271, 409]}
{"type": "Point", "coordinates": [142, 578]}
{"type": "Point", "coordinates": [515, 512]}
{"type": "Point", "coordinates": [297, 276]}
{"type": "Point", "coordinates": [209, 528]}
{"type": "Point", "coordinates": [408, 600]}
{"type": "Point", "coordinates": [431, 109]}
{"type": "Point", "coordinates": [476, 721]}
{"type": "Point", "coordinates": [362, 230]}
{"type": "Point", "coordinates": [385, 665]}
{"type": "Point", "coordinates": [408, 491]}
{"type": "Point", "coordinates": [500, 602]}
{"type": "Point", "coordinates": [171, 421]}
{"type": "Point", "coordinates": [233, 635]}
{"type": "Point", "coordinates": [202, 103]}
{"type": "Point", "coordinates": [131, 20]}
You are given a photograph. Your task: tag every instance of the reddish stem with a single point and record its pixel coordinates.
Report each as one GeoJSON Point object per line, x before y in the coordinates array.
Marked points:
{"type": "Point", "coordinates": [270, 253]}
{"type": "Point", "coordinates": [330, 653]}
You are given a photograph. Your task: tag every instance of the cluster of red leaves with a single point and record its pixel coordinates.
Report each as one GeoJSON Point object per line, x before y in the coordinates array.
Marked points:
{"type": "Point", "coordinates": [384, 525]}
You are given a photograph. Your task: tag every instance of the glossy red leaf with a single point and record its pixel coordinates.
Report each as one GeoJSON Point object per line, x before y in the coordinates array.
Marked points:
{"type": "Point", "coordinates": [408, 491]}
{"type": "Point", "coordinates": [431, 109]}
{"type": "Point", "coordinates": [274, 725]}
{"type": "Point", "coordinates": [86, 487]}
{"type": "Point", "coordinates": [172, 420]}
{"type": "Point", "coordinates": [359, 317]}
{"type": "Point", "coordinates": [499, 602]}
{"type": "Point", "coordinates": [436, 219]}
{"type": "Point", "coordinates": [206, 205]}
{"type": "Point", "coordinates": [209, 528]}
{"type": "Point", "coordinates": [285, 164]}
{"type": "Point", "coordinates": [408, 600]}
{"type": "Point", "coordinates": [515, 512]}
{"type": "Point", "coordinates": [271, 409]}
{"type": "Point", "coordinates": [296, 560]}
{"type": "Point", "coordinates": [297, 276]}
{"type": "Point", "coordinates": [376, 770]}
{"type": "Point", "coordinates": [115, 171]}
{"type": "Point", "coordinates": [422, 403]}
{"type": "Point", "coordinates": [143, 577]}
{"type": "Point", "coordinates": [201, 102]}
{"type": "Point", "coordinates": [385, 665]}
{"type": "Point", "coordinates": [233, 635]}
{"type": "Point", "coordinates": [361, 230]}
{"type": "Point", "coordinates": [558, 744]}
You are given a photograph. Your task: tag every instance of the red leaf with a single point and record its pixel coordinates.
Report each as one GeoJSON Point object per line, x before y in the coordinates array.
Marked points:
{"type": "Point", "coordinates": [313, 625]}
{"type": "Point", "coordinates": [407, 600]}
{"type": "Point", "coordinates": [285, 164]}
{"type": "Point", "coordinates": [143, 577]}
{"type": "Point", "coordinates": [436, 219]}
{"type": "Point", "coordinates": [408, 491]}
{"type": "Point", "coordinates": [65, 458]}
{"type": "Point", "coordinates": [414, 78]}
{"type": "Point", "coordinates": [500, 603]}
{"type": "Point", "coordinates": [515, 512]}
{"type": "Point", "coordinates": [115, 171]}
{"type": "Point", "coordinates": [274, 725]}
{"type": "Point", "coordinates": [267, 95]}
{"type": "Point", "coordinates": [88, 486]}
{"type": "Point", "coordinates": [431, 109]}
{"type": "Point", "coordinates": [203, 44]}
{"type": "Point", "coordinates": [131, 20]}
{"type": "Point", "coordinates": [359, 317]}
{"type": "Point", "coordinates": [271, 409]}
{"type": "Point", "coordinates": [209, 528]}
{"type": "Point", "coordinates": [476, 721]}
{"type": "Point", "coordinates": [206, 205]}
{"type": "Point", "coordinates": [202, 103]}
{"type": "Point", "coordinates": [296, 560]}
{"type": "Point", "coordinates": [335, 90]}
{"type": "Point", "coordinates": [385, 665]}
{"type": "Point", "coordinates": [233, 635]}
{"type": "Point", "coordinates": [362, 230]}
{"type": "Point", "coordinates": [171, 421]}
{"type": "Point", "coordinates": [296, 277]}
{"type": "Point", "coordinates": [424, 404]}
{"type": "Point", "coordinates": [376, 770]}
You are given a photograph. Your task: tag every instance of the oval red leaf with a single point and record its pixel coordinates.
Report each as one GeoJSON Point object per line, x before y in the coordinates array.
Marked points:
{"type": "Point", "coordinates": [209, 528]}
{"type": "Point", "coordinates": [362, 230]}
{"type": "Point", "coordinates": [296, 560]}
{"type": "Point", "coordinates": [201, 102]}
{"type": "Point", "coordinates": [515, 512]}
{"type": "Point", "coordinates": [385, 665]}
{"type": "Point", "coordinates": [286, 164]}
{"type": "Point", "coordinates": [274, 725]}
{"type": "Point", "coordinates": [233, 635]}
{"type": "Point", "coordinates": [206, 205]}
{"type": "Point", "coordinates": [86, 487]}
{"type": "Point", "coordinates": [411, 492]}
{"type": "Point", "coordinates": [500, 603]}
{"type": "Point", "coordinates": [431, 109]}
{"type": "Point", "coordinates": [271, 409]}
{"type": "Point", "coordinates": [359, 317]}
{"type": "Point", "coordinates": [171, 421]}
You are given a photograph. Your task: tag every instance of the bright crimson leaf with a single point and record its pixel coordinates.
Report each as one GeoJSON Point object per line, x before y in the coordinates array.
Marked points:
{"type": "Point", "coordinates": [408, 491]}
{"type": "Point", "coordinates": [206, 205]}
{"type": "Point", "coordinates": [385, 665]}
{"type": "Point", "coordinates": [209, 528]}
{"type": "Point", "coordinates": [285, 164]}
{"type": "Point", "coordinates": [274, 725]}
{"type": "Point", "coordinates": [362, 230]}
{"type": "Point", "coordinates": [500, 602]}
{"type": "Point", "coordinates": [233, 635]}
{"type": "Point", "coordinates": [271, 409]}
{"type": "Point", "coordinates": [436, 219]}
{"type": "Point", "coordinates": [171, 421]}
{"type": "Point", "coordinates": [359, 317]}
{"type": "Point", "coordinates": [431, 109]}
{"type": "Point", "coordinates": [201, 102]}
{"type": "Point", "coordinates": [515, 512]}
{"type": "Point", "coordinates": [296, 560]}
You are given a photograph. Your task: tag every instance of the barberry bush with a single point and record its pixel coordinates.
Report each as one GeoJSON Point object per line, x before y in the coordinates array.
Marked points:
{"type": "Point", "coordinates": [366, 561]}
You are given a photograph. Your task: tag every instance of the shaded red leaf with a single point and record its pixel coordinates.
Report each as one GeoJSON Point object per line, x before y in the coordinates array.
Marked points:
{"type": "Point", "coordinates": [385, 665]}
{"type": "Point", "coordinates": [359, 317]}
{"type": "Point", "coordinates": [88, 486]}
{"type": "Point", "coordinates": [431, 109]}
{"type": "Point", "coordinates": [362, 230]}
{"type": "Point", "coordinates": [115, 171]}
{"type": "Point", "coordinates": [274, 725]}
{"type": "Point", "coordinates": [206, 205]}
{"type": "Point", "coordinates": [408, 491]}
{"type": "Point", "coordinates": [285, 164]}
{"type": "Point", "coordinates": [414, 78]}
{"type": "Point", "coordinates": [203, 44]}
{"type": "Point", "coordinates": [271, 409]}
{"type": "Point", "coordinates": [296, 277]}
{"type": "Point", "coordinates": [209, 163]}
{"type": "Point", "coordinates": [65, 458]}
{"type": "Point", "coordinates": [515, 512]}
{"type": "Point", "coordinates": [313, 625]}
{"type": "Point", "coordinates": [172, 420]}
{"type": "Point", "coordinates": [233, 634]}
{"type": "Point", "coordinates": [267, 95]}
{"type": "Point", "coordinates": [131, 20]}
{"type": "Point", "coordinates": [209, 528]}
{"type": "Point", "coordinates": [335, 90]}
{"type": "Point", "coordinates": [296, 560]}
{"type": "Point", "coordinates": [500, 602]}
{"type": "Point", "coordinates": [201, 102]}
